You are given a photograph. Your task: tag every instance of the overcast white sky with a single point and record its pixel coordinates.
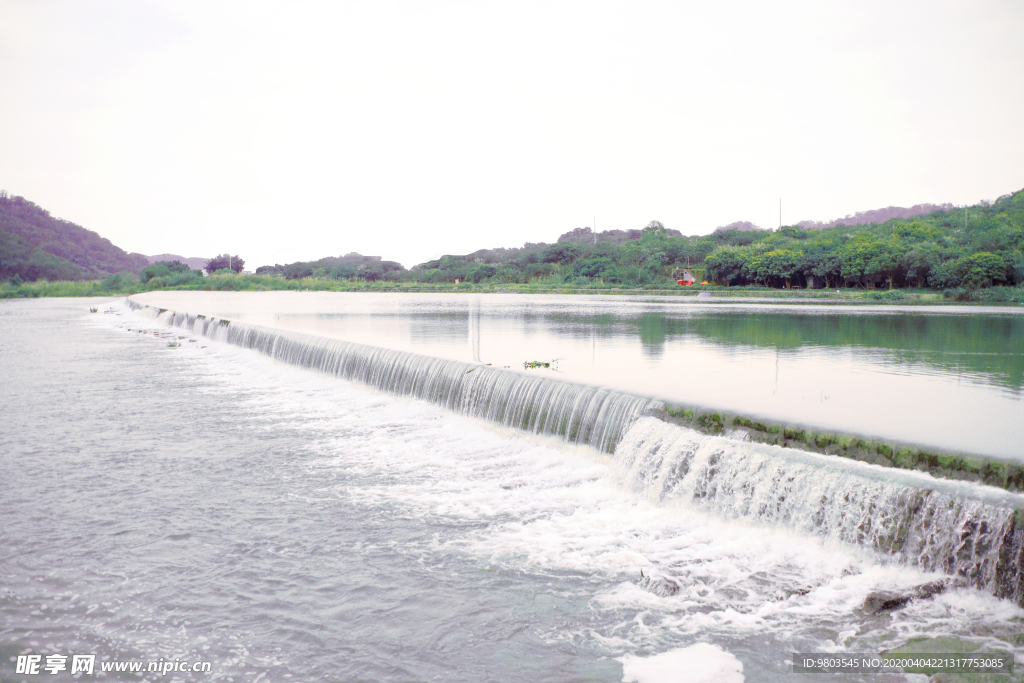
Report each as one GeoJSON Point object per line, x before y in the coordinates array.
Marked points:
{"type": "Point", "coordinates": [294, 130]}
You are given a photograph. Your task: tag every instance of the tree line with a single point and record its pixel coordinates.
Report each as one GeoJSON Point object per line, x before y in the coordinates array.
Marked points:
{"type": "Point", "coordinates": [960, 250]}
{"type": "Point", "coordinates": [954, 249]}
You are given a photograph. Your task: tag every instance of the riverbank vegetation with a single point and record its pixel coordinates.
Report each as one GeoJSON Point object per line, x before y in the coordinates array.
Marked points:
{"type": "Point", "coordinates": [125, 284]}
{"type": "Point", "coordinates": [972, 254]}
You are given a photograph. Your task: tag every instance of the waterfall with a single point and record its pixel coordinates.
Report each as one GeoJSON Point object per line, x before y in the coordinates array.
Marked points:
{"type": "Point", "coordinates": [577, 413]}
{"type": "Point", "coordinates": [963, 530]}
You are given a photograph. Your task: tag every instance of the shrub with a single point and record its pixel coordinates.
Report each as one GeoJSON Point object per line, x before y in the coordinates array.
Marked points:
{"type": "Point", "coordinates": [117, 281]}
{"type": "Point", "coordinates": [890, 295]}
{"type": "Point", "coordinates": [482, 272]}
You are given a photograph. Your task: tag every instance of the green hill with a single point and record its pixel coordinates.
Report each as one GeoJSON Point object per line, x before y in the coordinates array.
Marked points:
{"type": "Point", "coordinates": [955, 250]}
{"type": "Point", "coordinates": [34, 244]}
{"type": "Point", "coordinates": [20, 257]}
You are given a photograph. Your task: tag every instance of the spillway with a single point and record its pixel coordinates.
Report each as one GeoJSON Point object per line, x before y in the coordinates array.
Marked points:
{"type": "Point", "coordinates": [963, 530]}
{"type": "Point", "coordinates": [577, 413]}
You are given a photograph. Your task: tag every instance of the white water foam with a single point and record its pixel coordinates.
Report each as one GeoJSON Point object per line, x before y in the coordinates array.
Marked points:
{"type": "Point", "coordinates": [700, 663]}
{"type": "Point", "coordinates": [960, 529]}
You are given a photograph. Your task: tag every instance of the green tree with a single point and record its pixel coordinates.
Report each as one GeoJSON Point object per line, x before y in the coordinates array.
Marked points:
{"type": "Point", "coordinates": [343, 271]}
{"type": "Point", "coordinates": [971, 272]}
{"type": "Point", "coordinates": [983, 270]}
{"type": "Point", "coordinates": [866, 259]}
{"type": "Point", "coordinates": [482, 272]}
{"type": "Point", "coordinates": [887, 259]}
{"type": "Point", "coordinates": [916, 231]}
{"type": "Point", "coordinates": [776, 265]}
{"type": "Point", "coordinates": [508, 274]}
{"type": "Point", "coordinates": [728, 265]}
{"type": "Point", "coordinates": [118, 281]}
{"type": "Point", "coordinates": [162, 269]}
{"type": "Point", "coordinates": [919, 260]}
{"type": "Point", "coordinates": [223, 261]}
{"type": "Point", "coordinates": [293, 271]}
{"type": "Point", "coordinates": [793, 232]}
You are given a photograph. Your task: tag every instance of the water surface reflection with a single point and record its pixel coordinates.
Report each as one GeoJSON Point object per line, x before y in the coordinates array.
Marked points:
{"type": "Point", "coordinates": [949, 377]}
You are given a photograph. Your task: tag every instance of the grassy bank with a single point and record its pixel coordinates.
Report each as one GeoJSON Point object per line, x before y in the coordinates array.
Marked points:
{"type": "Point", "coordinates": [124, 285]}
{"type": "Point", "coordinates": [31, 290]}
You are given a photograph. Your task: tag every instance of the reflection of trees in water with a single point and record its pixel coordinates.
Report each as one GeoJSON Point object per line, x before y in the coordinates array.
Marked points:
{"type": "Point", "coordinates": [652, 334]}
{"type": "Point", "coordinates": [450, 327]}
{"type": "Point", "coordinates": [988, 345]}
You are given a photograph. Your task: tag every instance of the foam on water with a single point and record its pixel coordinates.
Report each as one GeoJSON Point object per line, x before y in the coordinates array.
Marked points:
{"type": "Point", "coordinates": [962, 530]}
{"type": "Point", "coordinates": [700, 663]}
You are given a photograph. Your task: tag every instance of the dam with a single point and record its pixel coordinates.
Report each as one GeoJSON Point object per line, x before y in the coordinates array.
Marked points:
{"type": "Point", "coordinates": [971, 533]}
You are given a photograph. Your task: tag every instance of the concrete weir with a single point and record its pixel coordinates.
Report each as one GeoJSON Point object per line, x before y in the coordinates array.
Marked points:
{"type": "Point", "coordinates": [965, 521]}
{"type": "Point", "coordinates": [577, 413]}
{"type": "Point", "coordinates": [945, 464]}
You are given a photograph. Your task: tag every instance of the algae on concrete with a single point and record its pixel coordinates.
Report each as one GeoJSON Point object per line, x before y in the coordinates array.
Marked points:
{"type": "Point", "coordinates": [947, 465]}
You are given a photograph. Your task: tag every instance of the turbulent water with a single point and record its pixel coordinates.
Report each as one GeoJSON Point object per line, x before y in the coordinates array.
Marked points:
{"type": "Point", "coordinates": [938, 526]}
{"type": "Point", "coordinates": [168, 495]}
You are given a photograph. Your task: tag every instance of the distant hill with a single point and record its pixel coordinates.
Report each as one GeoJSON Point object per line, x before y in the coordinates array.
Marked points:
{"type": "Point", "coordinates": [877, 216]}
{"type": "Point", "coordinates": [350, 265]}
{"type": "Point", "coordinates": [193, 262]}
{"type": "Point", "coordinates": [20, 257]}
{"type": "Point", "coordinates": [92, 255]}
{"type": "Point", "coordinates": [587, 236]}
{"type": "Point", "coordinates": [740, 226]}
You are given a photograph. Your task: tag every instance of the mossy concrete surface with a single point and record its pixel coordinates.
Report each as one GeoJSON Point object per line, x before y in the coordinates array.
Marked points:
{"type": "Point", "coordinates": [945, 464]}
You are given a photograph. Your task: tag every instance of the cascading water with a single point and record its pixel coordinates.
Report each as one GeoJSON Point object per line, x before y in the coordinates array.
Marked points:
{"type": "Point", "coordinates": [578, 413]}
{"type": "Point", "coordinates": [962, 530]}
{"type": "Point", "coordinates": [921, 522]}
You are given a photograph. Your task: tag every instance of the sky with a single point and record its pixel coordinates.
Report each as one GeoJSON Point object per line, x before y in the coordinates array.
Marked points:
{"type": "Point", "coordinates": [284, 131]}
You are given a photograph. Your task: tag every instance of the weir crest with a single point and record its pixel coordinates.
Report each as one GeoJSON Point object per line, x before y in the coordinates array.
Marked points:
{"type": "Point", "coordinates": [577, 413]}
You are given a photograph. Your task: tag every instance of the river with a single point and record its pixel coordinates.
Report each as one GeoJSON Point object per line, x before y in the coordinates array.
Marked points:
{"type": "Point", "coordinates": [171, 497]}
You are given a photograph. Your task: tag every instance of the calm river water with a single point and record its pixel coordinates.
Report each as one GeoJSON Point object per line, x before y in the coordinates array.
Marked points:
{"type": "Point", "coordinates": [203, 503]}
{"type": "Point", "coordinates": [950, 377]}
